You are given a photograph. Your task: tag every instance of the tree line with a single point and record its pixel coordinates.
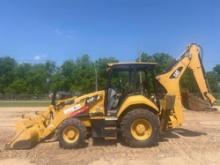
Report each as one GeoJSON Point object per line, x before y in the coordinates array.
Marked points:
{"type": "Point", "coordinates": [78, 76]}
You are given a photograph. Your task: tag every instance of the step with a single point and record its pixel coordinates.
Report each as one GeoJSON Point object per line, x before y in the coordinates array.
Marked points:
{"type": "Point", "coordinates": [110, 128]}
{"type": "Point", "coordinates": [110, 138]}
{"type": "Point", "coordinates": [112, 112]}
{"type": "Point", "coordinates": [111, 118]}
{"type": "Point", "coordinates": [110, 134]}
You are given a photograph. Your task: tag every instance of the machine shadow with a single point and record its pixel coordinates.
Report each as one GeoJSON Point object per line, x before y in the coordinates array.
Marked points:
{"type": "Point", "coordinates": [164, 136]}
{"type": "Point", "coordinates": [177, 133]}
{"type": "Point", "coordinates": [103, 142]}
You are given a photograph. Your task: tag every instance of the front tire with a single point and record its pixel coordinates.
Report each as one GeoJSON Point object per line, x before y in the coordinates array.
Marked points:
{"type": "Point", "coordinates": [72, 134]}
{"type": "Point", "coordinates": [140, 128]}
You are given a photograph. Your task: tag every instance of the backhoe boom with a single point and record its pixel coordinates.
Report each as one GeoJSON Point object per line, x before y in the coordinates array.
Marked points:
{"type": "Point", "coordinates": [171, 82]}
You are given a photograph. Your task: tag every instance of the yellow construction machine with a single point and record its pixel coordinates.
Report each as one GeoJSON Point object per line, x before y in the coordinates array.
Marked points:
{"type": "Point", "coordinates": [128, 107]}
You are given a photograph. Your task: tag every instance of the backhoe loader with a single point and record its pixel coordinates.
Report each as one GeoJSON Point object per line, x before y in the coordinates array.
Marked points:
{"type": "Point", "coordinates": [128, 107]}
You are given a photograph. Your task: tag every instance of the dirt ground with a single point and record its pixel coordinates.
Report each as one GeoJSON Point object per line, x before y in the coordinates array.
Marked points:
{"type": "Point", "coordinates": [197, 142]}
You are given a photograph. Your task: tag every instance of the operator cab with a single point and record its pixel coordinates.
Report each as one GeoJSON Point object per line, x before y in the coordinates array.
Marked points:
{"type": "Point", "coordinates": [126, 79]}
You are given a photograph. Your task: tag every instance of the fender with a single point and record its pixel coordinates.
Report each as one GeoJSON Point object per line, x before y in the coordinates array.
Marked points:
{"type": "Point", "coordinates": [135, 100]}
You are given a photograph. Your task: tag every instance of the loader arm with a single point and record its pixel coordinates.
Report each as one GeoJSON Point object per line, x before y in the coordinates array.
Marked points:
{"type": "Point", "coordinates": [170, 80]}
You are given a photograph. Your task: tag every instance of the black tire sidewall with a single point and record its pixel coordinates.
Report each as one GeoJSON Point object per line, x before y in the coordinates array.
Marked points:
{"type": "Point", "coordinates": [127, 121]}
{"type": "Point", "coordinates": [82, 133]}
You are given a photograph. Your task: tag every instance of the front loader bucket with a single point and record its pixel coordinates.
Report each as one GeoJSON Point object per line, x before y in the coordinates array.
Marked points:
{"type": "Point", "coordinates": [27, 135]}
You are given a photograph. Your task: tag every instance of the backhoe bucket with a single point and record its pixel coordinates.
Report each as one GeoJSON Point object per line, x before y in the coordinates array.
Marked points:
{"type": "Point", "coordinates": [27, 135]}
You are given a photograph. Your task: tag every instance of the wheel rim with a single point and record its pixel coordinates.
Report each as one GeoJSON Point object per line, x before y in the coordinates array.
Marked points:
{"type": "Point", "coordinates": [70, 134]}
{"type": "Point", "coordinates": [141, 129]}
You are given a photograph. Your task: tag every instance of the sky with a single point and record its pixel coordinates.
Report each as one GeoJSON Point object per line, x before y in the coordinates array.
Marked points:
{"type": "Point", "coordinates": [57, 30]}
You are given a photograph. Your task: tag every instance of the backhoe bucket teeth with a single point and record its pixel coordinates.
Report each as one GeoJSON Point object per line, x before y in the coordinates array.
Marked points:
{"type": "Point", "coordinates": [27, 135]}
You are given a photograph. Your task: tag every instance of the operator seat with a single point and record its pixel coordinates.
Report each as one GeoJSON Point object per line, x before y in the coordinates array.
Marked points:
{"type": "Point", "coordinates": [112, 99]}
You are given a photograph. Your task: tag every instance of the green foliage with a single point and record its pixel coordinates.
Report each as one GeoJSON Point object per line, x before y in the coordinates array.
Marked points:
{"type": "Point", "coordinates": [25, 78]}
{"type": "Point", "coordinates": [163, 60]}
{"type": "Point", "coordinates": [101, 64]}
{"type": "Point", "coordinates": [7, 71]}
{"type": "Point", "coordinates": [217, 69]}
{"type": "Point", "coordinates": [24, 103]}
{"type": "Point", "coordinates": [213, 78]}
{"type": "Point", "coordinates": [79, 76]}
{"type": "Point", "coordinates": [188, 83]}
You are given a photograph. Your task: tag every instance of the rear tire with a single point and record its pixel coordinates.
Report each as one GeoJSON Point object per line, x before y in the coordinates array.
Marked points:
{"type": "Point", "coordinates": [140, 128]}
{"type": "Point", "coordinates": [72, 134]}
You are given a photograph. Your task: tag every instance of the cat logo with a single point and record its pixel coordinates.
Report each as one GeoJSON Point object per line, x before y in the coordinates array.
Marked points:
{"type": "Point", "coordinates": [176, 73]}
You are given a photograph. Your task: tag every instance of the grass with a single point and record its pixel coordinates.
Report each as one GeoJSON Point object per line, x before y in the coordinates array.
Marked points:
{"type": "Point", "coordinates": [218, 102]}
{"type": "Point", "coordinates": [24, 103]}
